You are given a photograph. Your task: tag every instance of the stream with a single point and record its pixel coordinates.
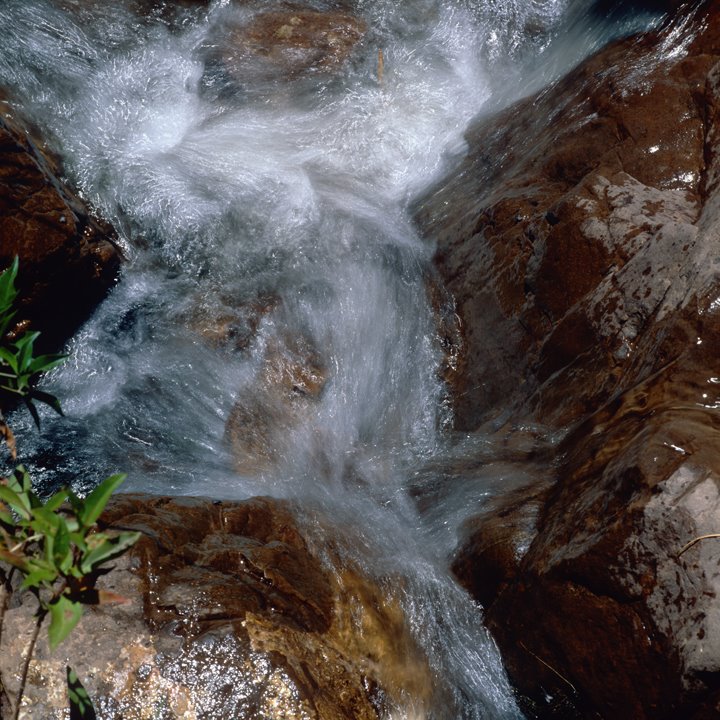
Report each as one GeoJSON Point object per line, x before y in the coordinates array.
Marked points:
{"type": "Point", "coordinates": [273, 331]}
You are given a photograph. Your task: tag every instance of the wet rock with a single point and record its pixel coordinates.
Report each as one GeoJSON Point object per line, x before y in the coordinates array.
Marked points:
{"type": "Point", "coordinates": [497, 540]}
{"type": "Point", "coordinates": [226, 324]}
{"type": "Point", "coordinates": [278, 46]}
{"type": "Point", "coordinates": [68, 259]}
{"type": "Point", "coordinates": [579, 239]}
{"type": "Point", "coordinates": [605, 607]}
{"type": "Point", "coordinates": [231, 615]}
{"type": "Point", "coordinates": [282, 399]}
{"type": "Point", "coordinates": [573, 224]}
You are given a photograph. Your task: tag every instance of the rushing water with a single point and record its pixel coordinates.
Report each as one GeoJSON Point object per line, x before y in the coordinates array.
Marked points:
{"type": "Point", "coordinates": [274, 274]}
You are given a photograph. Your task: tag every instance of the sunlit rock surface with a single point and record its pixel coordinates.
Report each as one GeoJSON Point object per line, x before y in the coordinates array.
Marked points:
{"type": "Point", "coordinates": [231, 615]}
{"type": "Point", "coordinates": [67, 257]}
{"type": "Point", "coordinates": [579, 239]}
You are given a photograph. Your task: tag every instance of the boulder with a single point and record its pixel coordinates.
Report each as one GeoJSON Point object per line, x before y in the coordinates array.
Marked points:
{"type": "Point", "coordinates": [284, 395]}
{"type": "Point", "coordinates": [231, 615]}
{"type": "Point", "coordinates": [606, 603]}
{"type": "Point", "coordinates": [68, 256]}
{"type": "Point", "coordinates": [572, 224]}
{"type": "Point", "coordinates": [278, 46]}
{"type": "Point", "coordinates": [579, 240]}
{"type": "Point", "coordinates": [224, 322]}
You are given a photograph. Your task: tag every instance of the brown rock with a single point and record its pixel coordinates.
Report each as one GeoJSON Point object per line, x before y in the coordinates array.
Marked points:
{"type": "Point", "coordinates": [584, 585]}
{"type": "Point", "coordinates": [572, 224]}
{"type": "Point", "coordinates": [226, 324]}
{"type": "Point", "coordinates": [68, 259]}
{"type": "Point", "coordinates": [284, 395]}
{"type": "Point", "coordinates": [497, 540]}
{"type": "Point", "coordinates": [582, 254]}
{"type": "Point", "coordinates": [603, 595]}
{"type": "Point", "coordinates": [231, 615]}
{"type": "Point", "coordinates": [279, 46]}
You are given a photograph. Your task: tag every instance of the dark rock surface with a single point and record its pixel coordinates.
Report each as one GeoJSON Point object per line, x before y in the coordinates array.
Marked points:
{"type": "Point", "coordinates": [232, 615]}
{"type": "Point", "coordinates": [579, 239]}
{"type": "Point", "coordinates": [68, 259]}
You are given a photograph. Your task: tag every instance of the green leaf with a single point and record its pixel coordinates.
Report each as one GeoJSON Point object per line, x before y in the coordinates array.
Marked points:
{"type": "Point", "coordinates": [6, 518]}
{"type": "Point", "coordinates": [39, 571]}
{"type": "Point", "coordinates": [6, 317]}
{"type": "Point", "coordinates": [95, 502]}
{"type": "Point", "coordinates": [24, 345]}
{"type": "Point", "coordinates": [64, 616]}
{"type": "Point", "coordinates": [10, 359]}
{"type": "Point", "coordinates": [17, 502]}
{"type": "Point", "coordinates": [22, 477]}
{"type": "Point", "coordinates": [56, 500]}
{"type": "Point", "coordinates": [8, 293]}
{"type": "Point", "coordinates": [33, 411]}
{"type": "Point", "coordinates": [76, 503]}
{"type": "Point", "coordinates": [62, 552]}
{"type": "Point", "coordinates": [81, 707]}
{"type": "Point", "coordinates": [107, 549]}
{"type": "Point", "coordinates": [45, 363]}
{"type": "Point", "coordinates": [48, 399]}
{"type": "Point", "coordinates": [44, 522]}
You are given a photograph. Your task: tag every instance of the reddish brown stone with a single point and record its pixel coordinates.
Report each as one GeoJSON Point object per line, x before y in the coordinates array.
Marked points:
{"type": "Point", "coordinates": [285, 394]}
{"type": "Point", "coordinates": [278, 46]}
{"type": "Point", "coordinates": [602, 610]}
{"type": "Point", "coordinates": [230, 614]}
{"type": "Point", "coordinates": [560, 201]}
{"type": "Point", "coordinates": [68, 259]}
{"type": "Point", "coordinates": [579, 239]}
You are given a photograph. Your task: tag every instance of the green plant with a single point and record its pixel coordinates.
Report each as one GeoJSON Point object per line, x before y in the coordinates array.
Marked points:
{"type": "Point", "coordinates": [19, 367]}
{"type": "Point", "coordinates": [57, 551]}
{"type": "Point", "coordinates": [49, 548]}
{"type": "Point", "coordinates": [81, 708]}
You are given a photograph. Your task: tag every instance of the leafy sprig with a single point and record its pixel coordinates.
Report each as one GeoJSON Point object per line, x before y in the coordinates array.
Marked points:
{"type": "Point", "coordinates": [52, 544]}
{"type": "Point", "coordinates": [57, 549]}
{"type": "Point", "coordinates": [20, 368]}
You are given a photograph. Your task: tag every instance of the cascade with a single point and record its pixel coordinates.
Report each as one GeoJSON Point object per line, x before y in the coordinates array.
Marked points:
{"type": "Point", "coordinates": [274, 330]}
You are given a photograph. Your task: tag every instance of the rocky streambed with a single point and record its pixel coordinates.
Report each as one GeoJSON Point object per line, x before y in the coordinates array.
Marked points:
{"type": "Point", "coordinates": [575, 242]}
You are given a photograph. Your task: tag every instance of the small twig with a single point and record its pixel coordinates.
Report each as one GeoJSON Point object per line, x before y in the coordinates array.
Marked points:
{"type": "Point", "coordinates": [548, 666]}
{"type": "Point", "coordinates": [687, 546]}
{"type": "Point", "coordinates": [6, 592]}
{"type": "Point", "coordinates": [381, 66]}
{"type": "Point", "coordinates": [42, 612]}
{"type": "Point", "coordinates": [32, 538]}
{"type": "Point", "coordinates": [7, 434]}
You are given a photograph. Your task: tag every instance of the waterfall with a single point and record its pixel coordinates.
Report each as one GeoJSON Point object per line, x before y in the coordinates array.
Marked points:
{"type": "Point", "coordinates": [274, 276]}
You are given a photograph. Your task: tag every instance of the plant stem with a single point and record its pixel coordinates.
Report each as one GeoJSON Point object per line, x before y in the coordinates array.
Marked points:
{"type": "Point", "coordinates": [6, 592]}
{"type": "Point", "coordinates": [42, 612]}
